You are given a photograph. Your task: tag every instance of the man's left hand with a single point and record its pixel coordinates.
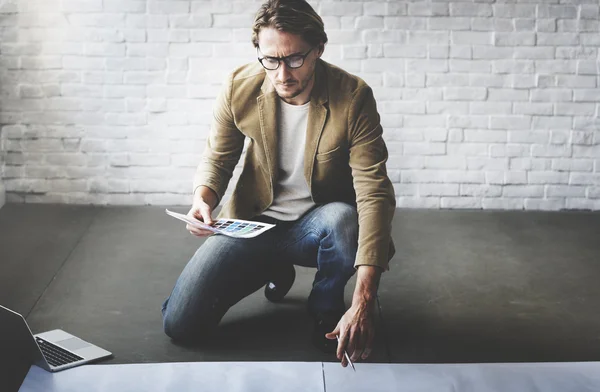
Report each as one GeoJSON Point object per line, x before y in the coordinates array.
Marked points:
{"type": "Point", "coordinates": [356, 330]}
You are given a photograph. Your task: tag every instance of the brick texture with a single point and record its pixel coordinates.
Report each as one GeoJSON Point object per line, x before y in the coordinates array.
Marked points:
{"type": "Point", "coordinates": [485, 104]}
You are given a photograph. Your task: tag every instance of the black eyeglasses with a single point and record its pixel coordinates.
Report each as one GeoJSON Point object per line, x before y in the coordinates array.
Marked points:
{"type": "Point", "coordinates": [272, 63]}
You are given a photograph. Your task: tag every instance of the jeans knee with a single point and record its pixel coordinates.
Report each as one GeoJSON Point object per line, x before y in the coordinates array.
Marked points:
{"type": "Point", "coordinates": [174, 328]}
{"type": "Point", "coordinates": [342, 220]}
{"type": "Point", "coordinates": [338, 227]}
{"type": "Point", "coordinates": [342, 211]}
{"type": "Point", "coordinates": [188, 329]}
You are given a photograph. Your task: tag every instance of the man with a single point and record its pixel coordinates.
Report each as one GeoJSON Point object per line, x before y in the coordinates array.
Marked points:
{"type": "Point", "coordinates": [314, 166]}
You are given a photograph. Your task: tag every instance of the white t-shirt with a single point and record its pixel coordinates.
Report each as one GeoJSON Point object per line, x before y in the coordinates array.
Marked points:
{"type": "Point", "coordinates": [292, 195]}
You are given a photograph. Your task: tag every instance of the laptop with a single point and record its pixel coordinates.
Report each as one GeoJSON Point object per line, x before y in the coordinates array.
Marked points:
{"type": "Point", "coordinates": [54, 350]}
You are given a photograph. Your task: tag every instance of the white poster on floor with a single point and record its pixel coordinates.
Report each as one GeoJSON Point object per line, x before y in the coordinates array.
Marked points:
{"type": "Point", "coordinates": [320, 377]}
{"type": "Point", "coordinates": [180, 377]}
{"type": "Point", "coordinates": [501, 377]}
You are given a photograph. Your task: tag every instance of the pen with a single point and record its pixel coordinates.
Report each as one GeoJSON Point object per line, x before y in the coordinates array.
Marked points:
{"type": "Point", "coordinates": [346, 355]}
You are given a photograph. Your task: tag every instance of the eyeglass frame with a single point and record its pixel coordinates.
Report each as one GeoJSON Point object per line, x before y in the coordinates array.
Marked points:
{"type": "Point", "coordinates": [285, 59]}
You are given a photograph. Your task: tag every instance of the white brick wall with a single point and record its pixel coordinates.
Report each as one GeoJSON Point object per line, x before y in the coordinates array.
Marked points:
{"type": "Point", "coordinates": [485, 104]}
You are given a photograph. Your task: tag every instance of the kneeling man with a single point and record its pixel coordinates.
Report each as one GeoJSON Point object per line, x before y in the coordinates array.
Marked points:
{"type": "Point", "coordinates": [314, 166]}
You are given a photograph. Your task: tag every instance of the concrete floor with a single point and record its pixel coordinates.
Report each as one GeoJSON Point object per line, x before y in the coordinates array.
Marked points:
{"type": "Point", "coordinates": [465, 286]}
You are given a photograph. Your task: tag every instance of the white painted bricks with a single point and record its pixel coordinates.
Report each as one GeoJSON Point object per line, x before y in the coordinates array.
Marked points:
{"type": "Point", "coordinates": [491, 104]}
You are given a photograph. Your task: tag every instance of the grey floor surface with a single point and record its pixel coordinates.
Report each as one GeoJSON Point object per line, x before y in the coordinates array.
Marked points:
{"type": "Point", "coordinates": [465, 286]}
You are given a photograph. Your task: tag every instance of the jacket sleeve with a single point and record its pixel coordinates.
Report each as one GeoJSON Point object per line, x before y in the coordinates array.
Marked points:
{"type": "Point", "coordinates": [223, 147]}
{"type": "Point", "coordinates": [375, 197]}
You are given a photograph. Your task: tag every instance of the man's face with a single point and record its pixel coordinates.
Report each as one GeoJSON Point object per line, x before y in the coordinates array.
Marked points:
{"type": "Point", "coordinates": [292, 85]}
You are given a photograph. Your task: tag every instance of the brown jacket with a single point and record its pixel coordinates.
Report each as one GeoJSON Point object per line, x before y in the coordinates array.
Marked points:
{"type": "Point", "coordinates": [344, 159]}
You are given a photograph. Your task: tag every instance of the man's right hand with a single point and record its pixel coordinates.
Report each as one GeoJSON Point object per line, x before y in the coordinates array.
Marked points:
{"type": "Point", "coordinates": [204, 200]}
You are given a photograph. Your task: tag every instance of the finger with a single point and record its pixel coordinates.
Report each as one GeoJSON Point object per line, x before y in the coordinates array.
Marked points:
{"type": "Point", "coordinates": [197, 231]}
{"type": "Point", "coordinates": [360, 345]}
{"type": "Point", "coordinates": [205, 212]}
{"type": "Point", "coordinates": [342, 342]}
{"type": "Point", "coordinates": [343, 360]}
{"type": "Point", "coordinates": [202, 234]}
{"type": "Point", "coordinates": [352, 341]}
{"type": "Point", "coordinates": [195, 213]}
{"type": "Point", "coordinates": [333, 334]}
{"type": "Point", "coordinates": [369, 344]}
{"type": "Point", "coordinates": [200, 213]}
{"type": "Point", "coordinates": [193, 229]}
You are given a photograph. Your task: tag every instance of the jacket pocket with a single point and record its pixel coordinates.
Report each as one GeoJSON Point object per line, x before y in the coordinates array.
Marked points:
{"type": "Point", "coordinates": [329, 155]}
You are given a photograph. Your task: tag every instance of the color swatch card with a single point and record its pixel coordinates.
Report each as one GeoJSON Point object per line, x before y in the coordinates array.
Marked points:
{"type": "Point", "coordinates": [231, 227]}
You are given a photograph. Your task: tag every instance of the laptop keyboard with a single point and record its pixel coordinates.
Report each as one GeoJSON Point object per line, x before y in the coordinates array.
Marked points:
{"type": "Point", "coordinates": [56, 356]}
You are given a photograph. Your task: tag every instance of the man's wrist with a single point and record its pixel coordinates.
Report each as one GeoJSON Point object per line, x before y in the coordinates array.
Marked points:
{"type": "Point", "coordinates": [367, 283]}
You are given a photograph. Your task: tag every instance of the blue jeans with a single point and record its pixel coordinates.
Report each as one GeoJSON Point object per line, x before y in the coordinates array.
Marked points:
{"type": "Point", "coordinates": [224, 270]}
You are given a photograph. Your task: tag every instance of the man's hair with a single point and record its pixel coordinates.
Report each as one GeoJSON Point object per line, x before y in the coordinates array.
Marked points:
{"type": "Point", "coordinates": [292, 16]}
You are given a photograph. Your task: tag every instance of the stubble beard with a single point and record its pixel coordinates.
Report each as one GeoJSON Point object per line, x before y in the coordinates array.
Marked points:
{"type": "Point", "coordinates": [299, 90]}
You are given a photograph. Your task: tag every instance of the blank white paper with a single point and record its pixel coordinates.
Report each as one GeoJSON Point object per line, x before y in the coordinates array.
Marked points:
{"type": "Point", "coordinates": [180, 377]}
{"type": "Point", "coordinates": [505, 377]}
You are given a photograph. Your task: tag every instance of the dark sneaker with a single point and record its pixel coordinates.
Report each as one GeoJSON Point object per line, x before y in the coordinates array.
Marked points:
{"type": "Point", "coordinates": [282, 279]}
{"type": "Point", "coordinates": [325, 323]}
